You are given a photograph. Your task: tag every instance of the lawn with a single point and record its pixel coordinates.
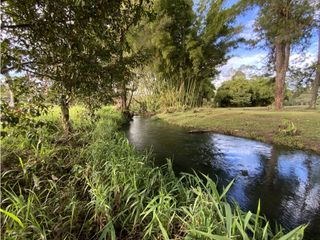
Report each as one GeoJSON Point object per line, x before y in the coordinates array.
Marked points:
{"type": "Point", "coordinates": [294, 127]}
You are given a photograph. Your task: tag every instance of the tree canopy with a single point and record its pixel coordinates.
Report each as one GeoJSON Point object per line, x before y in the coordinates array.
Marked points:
{"type": "Point", "coordinates": [240, 92]}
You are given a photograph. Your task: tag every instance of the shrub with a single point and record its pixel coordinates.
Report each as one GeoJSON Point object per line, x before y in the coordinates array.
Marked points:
{"type": "Point", "coordinates": [245, 93]}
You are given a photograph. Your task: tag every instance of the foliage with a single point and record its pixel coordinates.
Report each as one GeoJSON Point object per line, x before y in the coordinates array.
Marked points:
{"type": "Point", "coordinates": [21, 101]}
{"type": "Point", "coordinates": [188, 45]}
{"type": "Point", "coordinates": [83, 51]}
{"type": "Point", "coordinates": [281, 26]}
{"type": "Point", "coordinates": [284, 21]}
{"type": "Point", "coordinates": [288, 128]}
{"type": "Point", "coordinates": [240, 92]}
{"type": "Point", "coordinates": [158, 96]}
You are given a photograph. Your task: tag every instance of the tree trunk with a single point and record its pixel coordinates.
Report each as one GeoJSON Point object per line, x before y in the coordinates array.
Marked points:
{"type": "Point", "coordinates": [124, 103]}
{"type": "Point", "coordinates": [11, 96]}
{"type": "Point", "coordinates": [9, 82]}
{"type": "Point", "coordinates": [64, 105]}
{"type": "Point", "coordinates": [316, 82]}
{"type": "Point", "coordinates": [123, 97]}
{"type": "Point", "coordinates": [282, 52]}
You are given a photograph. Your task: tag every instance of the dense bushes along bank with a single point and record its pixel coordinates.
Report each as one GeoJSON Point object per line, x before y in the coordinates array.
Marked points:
{"type": "Point", "coordinates": [93, 185]}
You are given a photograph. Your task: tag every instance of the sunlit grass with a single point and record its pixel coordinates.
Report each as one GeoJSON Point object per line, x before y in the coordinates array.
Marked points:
{"type": "Point", "coordinates": [256, 123]}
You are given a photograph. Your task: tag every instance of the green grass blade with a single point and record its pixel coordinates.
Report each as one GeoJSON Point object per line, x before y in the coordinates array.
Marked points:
{"type": "Point", "coordinates": [208, 235]}
{"type": "Point", "coordinates": [12, 216]}
{"type": "Point", "coordinates": [226, 190]}
{"type": "Point", "coordinates": [228, 218]}
{"type": "Point", "coordinates": [163, 230]}
{"type": "Point", "coordinates": [296, 233]}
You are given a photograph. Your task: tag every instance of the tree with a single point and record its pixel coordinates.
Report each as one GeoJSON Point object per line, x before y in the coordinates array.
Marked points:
{"type": "Point", "coordinates": [234, 93]}
{"type": "Point", "coordinates": [129, 53]}
{"type": "Point", "coordinates": [283, 24]}
{"type": "Point", "coordinates": [73, 44]}
{"type": "Point", "coordinates": [188, 46]}
{"type": "Point", "coordinates": [262, 89]}
{"type": "Point", "coordinates": [316, 82]}
{"type": "Point", "coordinates": [22, 99]}
{"type": "Point", "coordinates": [170, 30]}
{"type": "Point", "coordinates": [240, 92]}
{"type": "Point", "coordinates": [239, 75]}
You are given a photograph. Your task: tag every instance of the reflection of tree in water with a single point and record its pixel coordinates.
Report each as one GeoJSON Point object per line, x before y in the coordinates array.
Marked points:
{"type": "Point", "coordinates": [310, 207]}
{"type": "Point", "coordinates": [286, 197]}
{"type": "Point", "coordinates": [272, 189]}
{"type": "Point", "coordinates": [203, 156]}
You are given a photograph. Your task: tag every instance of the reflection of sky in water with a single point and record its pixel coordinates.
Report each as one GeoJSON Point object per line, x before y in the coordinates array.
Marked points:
{"type": "Point", "coordinates": [301, 168]}
{"type": "Point", "coordinates": [239, 156]}
{"type": "Point", "coordinates": [287, 182]}
{"type": "Point", "coordinates": [293, 165]}
{"type": "Point", "coordinates": [242, 161]}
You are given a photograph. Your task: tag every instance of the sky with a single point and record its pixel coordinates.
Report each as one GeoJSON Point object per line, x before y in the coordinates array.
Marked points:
{"type": "Point", "coordinates": [256, 56]}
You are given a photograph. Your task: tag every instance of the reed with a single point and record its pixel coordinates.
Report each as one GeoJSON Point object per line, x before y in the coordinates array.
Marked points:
{"type": "Point", "coordinates": [167, 96]}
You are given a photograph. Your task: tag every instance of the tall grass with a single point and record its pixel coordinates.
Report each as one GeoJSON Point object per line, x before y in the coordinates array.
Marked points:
{"type": "Point", "coordinates": [167, 97]}
{"type": "Point", "coordinates": [39, 184]}
{"type": "Point", "coordinates": [104, 189]}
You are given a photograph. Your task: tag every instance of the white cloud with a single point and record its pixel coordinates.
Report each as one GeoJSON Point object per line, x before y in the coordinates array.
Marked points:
{"type": "Point", "coordinates": [248, 31]}
{"type": "Point", "coordinates": [236, 62]}
{"type": "Point", "coordinates": [300, 60]}
{"type": "Point", "coordinates": [258, 60]}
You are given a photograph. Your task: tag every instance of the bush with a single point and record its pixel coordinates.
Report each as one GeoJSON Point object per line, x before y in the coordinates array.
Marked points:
{"type": "Point", "coordinates": [245, 93]}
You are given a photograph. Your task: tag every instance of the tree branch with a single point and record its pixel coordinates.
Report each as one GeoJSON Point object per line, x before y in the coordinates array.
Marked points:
{"type": "Point", "coordinates": [23, 25]}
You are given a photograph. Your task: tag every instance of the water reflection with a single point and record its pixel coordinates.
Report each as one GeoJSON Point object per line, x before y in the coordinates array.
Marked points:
{"type": "Point", "coordinates": [286, 181]}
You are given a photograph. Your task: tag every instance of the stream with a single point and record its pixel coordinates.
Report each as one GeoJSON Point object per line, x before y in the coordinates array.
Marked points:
{"type": "Point", "coordinates": [286, 181]}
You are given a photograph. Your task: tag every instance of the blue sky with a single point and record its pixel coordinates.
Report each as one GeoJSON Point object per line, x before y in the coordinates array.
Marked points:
{"type": "Point", "coordinates": [256, 56]}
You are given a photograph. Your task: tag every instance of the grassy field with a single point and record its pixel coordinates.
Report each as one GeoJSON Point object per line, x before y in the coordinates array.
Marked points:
{"type": "Point", "coordinates": [294, 127]}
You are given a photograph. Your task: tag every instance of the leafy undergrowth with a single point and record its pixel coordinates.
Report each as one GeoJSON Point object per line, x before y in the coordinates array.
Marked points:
{"type": "Point", "coordinates": [95, 185]}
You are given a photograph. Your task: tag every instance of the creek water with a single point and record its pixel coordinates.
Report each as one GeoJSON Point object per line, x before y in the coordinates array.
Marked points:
{"type": "Point", "coordinates": [286, 181]}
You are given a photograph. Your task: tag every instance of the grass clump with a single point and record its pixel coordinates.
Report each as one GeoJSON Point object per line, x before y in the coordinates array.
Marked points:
{"type": "Point", "coordinates": [288, 128]}
{"type": "Point", "coordinates": [95, 185]}
{"type": "Point", "coordinates": [38, 181]}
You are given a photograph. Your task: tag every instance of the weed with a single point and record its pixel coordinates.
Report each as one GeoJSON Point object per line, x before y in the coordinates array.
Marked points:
{"type": "Point", "coordinates": [288, 128]}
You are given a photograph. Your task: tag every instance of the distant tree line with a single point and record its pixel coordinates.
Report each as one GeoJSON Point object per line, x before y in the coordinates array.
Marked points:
{"type": "Point", "coordinates": [241, 92]}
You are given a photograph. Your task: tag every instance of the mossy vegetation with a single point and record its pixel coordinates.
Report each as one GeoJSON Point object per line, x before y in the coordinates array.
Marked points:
{"type": "Point", "coordinates": [294, 127]}
{"type": "Point", "coordinates": [95, 185]}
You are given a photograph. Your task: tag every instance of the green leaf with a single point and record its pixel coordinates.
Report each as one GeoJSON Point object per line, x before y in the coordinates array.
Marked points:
{"type": "Point", "coordinates": [297, 233]}
{"type": "Point", "coordinates": [228, 218]}
{"type": "Point", "coordinates": [226, 190]}
{"type": "Point", "coordinates": [247, 218]}
{"type": "Point", "coordinates": [163, 230]}
{"type": "Point", "coordinates": [209, 235]}
{"type": "Point", "coordinates": [12, 216]}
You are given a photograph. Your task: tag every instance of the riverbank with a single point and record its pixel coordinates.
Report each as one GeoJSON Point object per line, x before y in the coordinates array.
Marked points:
{"type": "Point", "coordinates": [293, 127]}
{"type": "Point", "coordinates": [93, 184]}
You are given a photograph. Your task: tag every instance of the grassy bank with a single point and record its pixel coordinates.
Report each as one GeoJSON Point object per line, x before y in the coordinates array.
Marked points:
{"type": "Point", "coordinates": [294, 127]}
{"type": "Point", "coordinates": [94, 185]}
